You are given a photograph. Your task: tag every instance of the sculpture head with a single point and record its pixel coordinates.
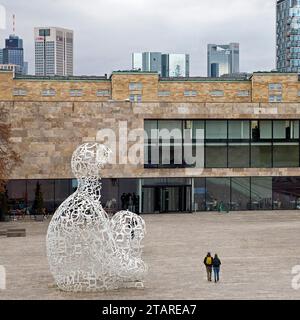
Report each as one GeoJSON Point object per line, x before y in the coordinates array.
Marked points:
{"type": "Point", "coordinates": [89, 158]}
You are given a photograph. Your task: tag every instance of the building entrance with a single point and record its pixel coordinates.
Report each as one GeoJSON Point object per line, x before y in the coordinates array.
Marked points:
{"type": "Point", "coordinates": [166, 199]}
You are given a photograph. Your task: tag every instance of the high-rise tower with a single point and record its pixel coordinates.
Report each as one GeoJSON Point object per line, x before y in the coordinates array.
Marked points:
{"type": "Point", "coordinates": [53, 51]}
{"type": "Point", "coordinates": [288, 35]}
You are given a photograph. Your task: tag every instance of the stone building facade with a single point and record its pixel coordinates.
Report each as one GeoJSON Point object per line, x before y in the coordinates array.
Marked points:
{"type": "Point", "coordinates": [50, 117]}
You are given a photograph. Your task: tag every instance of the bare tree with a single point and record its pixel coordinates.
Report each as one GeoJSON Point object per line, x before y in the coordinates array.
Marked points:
{"type": "Point", "coordinates": [8, 157]}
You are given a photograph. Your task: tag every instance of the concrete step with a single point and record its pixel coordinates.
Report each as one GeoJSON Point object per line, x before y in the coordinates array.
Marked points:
{"type": "Point", "coordinates": [16, 233]}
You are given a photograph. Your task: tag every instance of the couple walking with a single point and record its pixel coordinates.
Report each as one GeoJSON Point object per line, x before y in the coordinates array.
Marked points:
{"type": "Point", "coordinates": [212, 264]}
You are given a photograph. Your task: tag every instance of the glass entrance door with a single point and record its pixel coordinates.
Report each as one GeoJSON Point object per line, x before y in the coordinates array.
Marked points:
{"type": "Point", "coordinates": [166, 199]}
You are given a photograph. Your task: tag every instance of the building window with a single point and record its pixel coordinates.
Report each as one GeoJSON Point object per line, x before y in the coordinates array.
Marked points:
{"type": "Point", "coordinates": [44, 32]}
{"type": "Point", "coordinates": [275, 86]}
{"type": "Point", "coordinates": [76, 93]}
{"type": "Point", "coordinates": [240, 194]}
{"type": "Point", "coordinates": [243, 93]}
{"type": "Point", "coordinates": [261, 193]}
{"type": "Point", "coordinates": [190, 93]}
{"type": "Point", "coordinates": [261, 144]}
{"type": "Point", "coordinates": [164, 93]}
{"type": "Point", "coordinates": [285, 193]}
{"type": "Point", "coordinates": [218, 192]}
{"type": "Point", "coordinates": [20, 92]}
{"type": "Point", "coordinates": [48, 93]}
{"type": "Point", "coordinates": [275, 98]}
{"type": "Point", "coordinates": [103, 93]}
{"type": "Point", "coordinates": [238, 144]}
{"type": "Point", "coordinates": [217, 93]}
{"type": "Point", "coordinates": [135, 86]}
{"type": "Point", "coordinates": [135, 98]}
{"type": "Point", "coordinates": [285, 144]}
{"type": "Point", "coordinates": [216, 144]}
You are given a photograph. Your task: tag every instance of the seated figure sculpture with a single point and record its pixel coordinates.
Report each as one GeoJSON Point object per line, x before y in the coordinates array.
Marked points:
{"type": "Point", "coordinates": [86, 250]}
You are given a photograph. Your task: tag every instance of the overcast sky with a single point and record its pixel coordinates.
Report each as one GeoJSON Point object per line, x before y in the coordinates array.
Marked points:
{"type": "Point", "coordinates": [108, 31]}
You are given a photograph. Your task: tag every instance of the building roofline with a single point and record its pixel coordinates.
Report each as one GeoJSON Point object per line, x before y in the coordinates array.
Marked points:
{"type": "Point", "coordinates": [49, 27]}
{"type": "Point", "coordinates": [204, 79]}
{"type": "Point", "coordinates": [93, 78]}
{"type": "Point", "coordinates": [60, 78]}
{"type": "Point", "coordinates": [134, 72]}
{"type": "Point", "coordinates": [275, 73]}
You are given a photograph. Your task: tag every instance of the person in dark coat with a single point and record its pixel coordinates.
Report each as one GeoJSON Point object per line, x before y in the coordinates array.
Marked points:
{"type": "Point", "coordinates": [216, 267]}
{"type": "Point", "coordinates": [135, 202]}
{"type": "Point", "coordinates": [208, 261]}
{"type": "Point", "coordinates": [123, 201]}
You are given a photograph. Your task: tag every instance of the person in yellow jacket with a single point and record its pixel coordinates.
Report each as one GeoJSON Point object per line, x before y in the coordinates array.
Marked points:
{"type": "Point", "coordinates": [208, 261]}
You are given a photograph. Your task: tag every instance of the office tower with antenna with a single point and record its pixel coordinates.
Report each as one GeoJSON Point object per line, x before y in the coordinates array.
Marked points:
{"type": "Point", "coordinates": [13, 53]}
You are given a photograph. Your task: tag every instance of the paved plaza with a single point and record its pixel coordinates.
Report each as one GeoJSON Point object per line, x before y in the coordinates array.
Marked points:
{"type": "Point", "coordinates": [258, 251]}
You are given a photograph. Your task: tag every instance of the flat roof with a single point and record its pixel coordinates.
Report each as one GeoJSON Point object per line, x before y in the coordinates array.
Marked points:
{"type": "Point", "coordinates": [92, 78]}
{"type": "Point", "coordinates": [134, 72]}
{"type": "Point", "coordinates": [275, 72]}
{"type": "Point", "coordinates": [204, 79]}
{"type": "Point", "coordinates": [60, 78]}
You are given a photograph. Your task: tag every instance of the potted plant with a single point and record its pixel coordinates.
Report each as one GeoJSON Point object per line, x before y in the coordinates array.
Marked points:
{"type": "Point", "coordinates": [38, 204]}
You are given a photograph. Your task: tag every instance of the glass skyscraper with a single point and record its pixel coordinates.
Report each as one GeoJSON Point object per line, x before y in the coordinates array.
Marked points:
{"type": "Point", "coordinates": [13, 53]}
{"type": "Point", "coordinates": [288, 35]}
{"type": "Point", "coordinates": [175, 65]}
{"type": "Point", "coordinates": [167, 65]}
{"type": "Point", "coordinates": [223, 59]}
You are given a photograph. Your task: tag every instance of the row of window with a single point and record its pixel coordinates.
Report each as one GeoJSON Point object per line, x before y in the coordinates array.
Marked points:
{"type": "Point", "coordinates": [223, 130]}
{"type": "Point", "coordinates": [213, 93]}
{"type": "Point", "coordinates": [52, 93]}
{"type": "Point", "coordinates": [209, 194]}
{"type": "Point", "coordinates": [21, 193]}
{"type": "Point", "coordinates": [216, 193]}
{"type": "Point", "coordinates": [255, 193]}
{"type": "Point", "coordinates": [273, 95]}
{"type": "Point", "coordinates": [222, 143]}
{"type": "Point", "coordinates": [133, 97]}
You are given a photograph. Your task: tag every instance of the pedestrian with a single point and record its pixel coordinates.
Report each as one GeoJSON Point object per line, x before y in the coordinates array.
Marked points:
{"type": "Point", "coordinates": [135, 202]}
{"type": "Point", "coordinates": [216, 267]}
{"type": "Point", "coordinates": [208, 261]}
{"type": "Point", "coordinates": [127, 199]}
{"type": "Point", "coordinates": [123, 200]}
{"type": "Point", "coordinates": [130, 202]}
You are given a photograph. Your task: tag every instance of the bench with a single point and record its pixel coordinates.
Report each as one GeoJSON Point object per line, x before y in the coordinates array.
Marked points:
{"type": "Point", "coordinates": [16, 233]}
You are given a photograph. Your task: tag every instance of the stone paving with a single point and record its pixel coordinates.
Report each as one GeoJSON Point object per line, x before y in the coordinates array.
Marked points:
{"type": "Point", "coordinates": [258, 251]}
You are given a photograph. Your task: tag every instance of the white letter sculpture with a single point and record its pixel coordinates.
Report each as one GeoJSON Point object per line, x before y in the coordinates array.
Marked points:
{"type": "Point", "coordinates": [86, 250]}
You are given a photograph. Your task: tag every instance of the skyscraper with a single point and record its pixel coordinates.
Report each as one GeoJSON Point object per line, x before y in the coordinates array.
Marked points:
{"type": "Point", "coordinates": [13, 53]}
{"type": "Point", "coordinates": [223, 59]}
{"type": "Point", "coordinates": [288, 35]}
{"type": "Point", "coordinates": [167, 65]}
{"type": "Point", "coordinates": [53, 51]}
{"type": "Point", "coordinates": [175, 65]}
{"type": "Point", "coordinates": [147, 61]}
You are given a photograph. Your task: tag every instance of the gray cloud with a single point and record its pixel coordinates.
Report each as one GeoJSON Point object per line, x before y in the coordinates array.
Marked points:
{"type": "Point", "coordinates": [107, 31]}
